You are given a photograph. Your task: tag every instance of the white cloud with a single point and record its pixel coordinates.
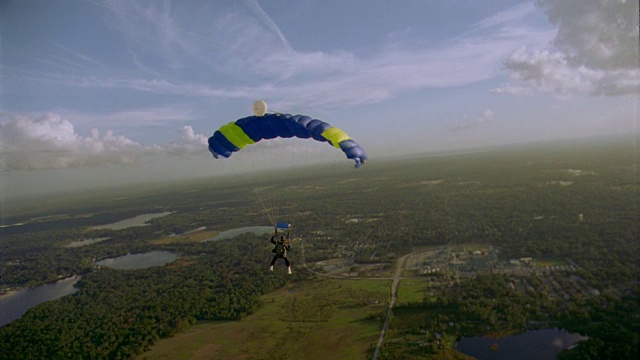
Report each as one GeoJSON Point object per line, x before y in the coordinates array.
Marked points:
{"type": "Point", "coordinates": [256, 51]}
{"type": "Point", "coordinates": [270, 25]}
{"type": "Point", "coordinates": [50, 141]}
{"type": "Point", "coordinates": [140, 65]}
{"type": "Point", "coordinates": [151, 26]}
{"type": "Point", "coordinates": [189, 142]}
{"type": "Point", "coordinates": [600, 34]}
{"type": "Point", "coordinates": [345, 78]}
{"type": "Point", "coordinates": [507, 17]}
{"type": "Point", "coordinates": [596, 51]}
{"type": "Point", "coordinates": [142, 117]}
{"type": "Point", "coordinates": [510, 89]}
{"type": "Point", "coordinates": [547, 71]}
{"type": "Point", "coordinates": [180, 88]}
{"type": "Point", "coordinates": [482, 119]}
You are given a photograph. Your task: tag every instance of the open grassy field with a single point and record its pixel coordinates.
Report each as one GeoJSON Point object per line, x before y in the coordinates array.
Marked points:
{"type": "Point", "coordinates": [412, 290]}
{"type": "Point", "coordinates": [313, 319]}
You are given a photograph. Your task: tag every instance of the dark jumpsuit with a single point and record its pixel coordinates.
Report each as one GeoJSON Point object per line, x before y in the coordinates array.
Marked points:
{"type": "Point", "coordinates": [280, 250]}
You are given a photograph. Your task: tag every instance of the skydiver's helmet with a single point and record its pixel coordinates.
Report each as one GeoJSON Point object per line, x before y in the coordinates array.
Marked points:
{"type": "Point", "coordinates": [282, 239]}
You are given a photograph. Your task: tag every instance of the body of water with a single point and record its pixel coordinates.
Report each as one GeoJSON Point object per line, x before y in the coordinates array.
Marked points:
{"type": "Point", "coordinates": [140, 220]}
{"type": "Point", "coordinates": [259, 230]}
{"type": "Point", "coordinates": [86, 242]}
{"type": "Point", "coordinates": [139, 261]}
{"type": "Point", "coordinates": [532, 345]}
{"type": "Point", "coordinates": [14, 304]}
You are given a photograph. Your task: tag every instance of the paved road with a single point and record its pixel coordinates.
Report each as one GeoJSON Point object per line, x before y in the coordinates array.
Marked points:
{"type": "Point", "coordinates": [394, 295]}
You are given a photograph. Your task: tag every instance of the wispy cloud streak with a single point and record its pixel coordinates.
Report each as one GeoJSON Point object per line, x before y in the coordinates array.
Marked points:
{"type": "Point", "coordinates": [258, 55]}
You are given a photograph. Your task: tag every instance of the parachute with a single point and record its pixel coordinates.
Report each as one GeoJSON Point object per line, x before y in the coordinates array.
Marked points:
{"type": "Point", "coordinates": [275, 191]}
{"type": "Point", "coordinates": [235, 136]}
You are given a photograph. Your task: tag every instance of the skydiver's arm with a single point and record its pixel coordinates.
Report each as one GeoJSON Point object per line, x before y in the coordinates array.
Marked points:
{"type": "Point", "coordinates": [273, 239]}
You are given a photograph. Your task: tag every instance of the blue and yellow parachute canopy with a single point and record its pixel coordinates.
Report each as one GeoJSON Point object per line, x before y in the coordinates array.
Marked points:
{"type": "Point", "coordinates": [249, 130]}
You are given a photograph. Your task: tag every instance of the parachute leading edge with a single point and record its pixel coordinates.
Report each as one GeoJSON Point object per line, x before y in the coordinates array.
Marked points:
{"type": "Point", "coordinates": [249, 130]}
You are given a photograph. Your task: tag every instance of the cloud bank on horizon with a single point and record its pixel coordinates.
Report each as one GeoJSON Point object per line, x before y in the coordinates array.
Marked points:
{"type": "Point", "coordinates": [49, 141]}
{"type": "Point", "coordinates": [162, 68]}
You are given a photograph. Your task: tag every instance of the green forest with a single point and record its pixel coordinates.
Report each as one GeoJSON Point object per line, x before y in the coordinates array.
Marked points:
{"type": "Point", "coordinates": [576, 200]}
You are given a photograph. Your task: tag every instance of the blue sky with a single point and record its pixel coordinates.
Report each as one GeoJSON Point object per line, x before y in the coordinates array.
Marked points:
{"type": "Point", "coordinates": [90, 88]}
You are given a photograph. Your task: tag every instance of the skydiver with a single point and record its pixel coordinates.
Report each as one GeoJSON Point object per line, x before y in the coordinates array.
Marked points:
{"type": "Point", "coordinates": [280, 250]}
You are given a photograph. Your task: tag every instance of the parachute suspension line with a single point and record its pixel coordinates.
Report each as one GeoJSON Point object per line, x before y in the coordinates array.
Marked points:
{"type": "Point", "coordinates": [264, 206]}
{"type": "Point", "coordinates": [290, 186]}
{"type": "Point", "coordinates": [250, 173]}
{"type": "Point", "coordinates": [274, 188]}
{"type": "Point", "coordinates": [263, 190]}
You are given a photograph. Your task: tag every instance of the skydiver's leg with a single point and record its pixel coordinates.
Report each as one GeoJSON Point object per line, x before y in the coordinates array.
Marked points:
{"type": "Point", "coordinates": [286, 261]}
{"type": "Point", "coordinates": [275, 257]}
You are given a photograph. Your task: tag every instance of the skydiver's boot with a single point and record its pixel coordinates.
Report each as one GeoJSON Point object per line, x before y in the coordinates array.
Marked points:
{"type": "Point", "coordinates": [271, 268]}
{"type": "Point", "coordinates": [289, 270]}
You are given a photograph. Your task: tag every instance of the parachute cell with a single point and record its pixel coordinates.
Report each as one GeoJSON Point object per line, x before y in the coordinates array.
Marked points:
{"type": "Point", "coordinates": [252, 129]}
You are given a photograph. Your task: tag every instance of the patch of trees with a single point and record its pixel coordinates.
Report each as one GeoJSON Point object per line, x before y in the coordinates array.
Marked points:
{"type": "Point", "coordinates": [612, 324]}
{"type": "Point", "coordinates": [488, 305]}
{"type": "Point", "coordinates": [118, 314]}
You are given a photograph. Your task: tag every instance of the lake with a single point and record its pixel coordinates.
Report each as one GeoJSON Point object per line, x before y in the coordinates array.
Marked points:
{"type": "Point", "coordinates": [532, 345]}
{"type": "Point", "coordinates": [86, 242]}
{"type": "Point", "coordinates": [259, 230]}
{"type": "Point", "coordinates": [140, 220]}
{"type": "Point", "coordinates": [139, 261]}
{"type": "Point", "coordinates": [14, 304]}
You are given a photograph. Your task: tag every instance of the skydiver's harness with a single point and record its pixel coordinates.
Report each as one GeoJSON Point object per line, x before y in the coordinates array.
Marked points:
{"type": "Point", "coordinates": [281, 248]}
